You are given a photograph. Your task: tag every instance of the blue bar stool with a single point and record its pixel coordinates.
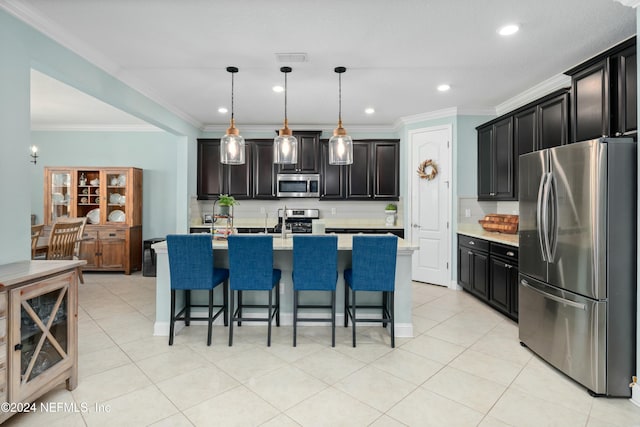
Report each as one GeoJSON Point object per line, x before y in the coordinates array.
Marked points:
{"type": "Point", "coordinates": [373, 269]}
{"type": "Point", "coordinates": [191, 268]}
{"type": "Point", "coordinates": [315, 268]}
{"type": "Point", "coordinates": [251, 269]}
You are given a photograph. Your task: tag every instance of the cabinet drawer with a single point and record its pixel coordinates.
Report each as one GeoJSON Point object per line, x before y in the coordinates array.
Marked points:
{"type": "Point", "coordinates": [112, 234]}
{"type": "Point", "coordinates": [472, 242]}
{"type": "Point", "coordinates": [87, 235]}
{"type": "Point", "coordinates": [504, 251]}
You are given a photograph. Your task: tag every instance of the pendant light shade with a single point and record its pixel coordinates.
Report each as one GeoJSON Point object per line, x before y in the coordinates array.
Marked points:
{"type": "Point", "coordinates": [340, 144]}
{"type": "Point", "coordinates": [285, 145]}
{"type": "Point", "coordinates": [232, 145]}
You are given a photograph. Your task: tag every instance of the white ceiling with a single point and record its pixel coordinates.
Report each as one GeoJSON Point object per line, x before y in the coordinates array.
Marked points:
{"type": "Point", "coordinates": [396, 52]}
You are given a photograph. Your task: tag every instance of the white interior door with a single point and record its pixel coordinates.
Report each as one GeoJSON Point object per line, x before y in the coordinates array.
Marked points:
{"type": "Point", "coordinates": [430, 205]}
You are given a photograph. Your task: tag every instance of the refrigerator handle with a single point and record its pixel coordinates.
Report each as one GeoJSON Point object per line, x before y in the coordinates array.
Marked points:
{"type": "Point", "coordinates": [553, 297]}
{"type": "Point", "coordinates": [553, 217]}
{"type": "Point", "coordinates": [545, 216]}
{"type": "Point", "coordinates": [539, 216]}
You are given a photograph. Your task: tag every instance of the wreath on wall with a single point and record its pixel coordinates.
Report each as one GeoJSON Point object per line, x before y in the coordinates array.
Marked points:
{"type": "Point", "coordinates": [427, 170]}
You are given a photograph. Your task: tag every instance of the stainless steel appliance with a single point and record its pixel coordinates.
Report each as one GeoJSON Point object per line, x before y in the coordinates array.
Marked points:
{"type": "Point", "coordinates": [298, 185]}
{"type": "Point", "coordinates": [577, 289]}
{"type": "Point", "coordinates": [296, 220]}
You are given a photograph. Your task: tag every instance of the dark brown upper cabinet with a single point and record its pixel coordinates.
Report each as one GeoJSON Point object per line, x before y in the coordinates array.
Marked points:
{"type": "Point", "coordinates": [263, 169]}
{"type": "Point", "coordinates": [544, 124]}
{"type": "Point", "coordinates": [374, 174]}
{"type": "Point", "coordinates": [496, 161]}
{"type": "Point", "coordinates": [308, 153]}
{"type": "Point", "coordinates": [215, 178]}
{"type": "Point", "coordinates": [603, 94]}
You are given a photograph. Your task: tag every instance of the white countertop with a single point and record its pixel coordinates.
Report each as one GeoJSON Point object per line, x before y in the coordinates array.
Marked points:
{"type": "Point", "coordinates": [24, 271]}
{"type": "Point", "coordinates": [344, 243]}
{"type": "Point", "coordinates": [476, 230]}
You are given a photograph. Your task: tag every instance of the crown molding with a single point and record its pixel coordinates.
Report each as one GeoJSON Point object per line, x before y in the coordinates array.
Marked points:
{"type": "Point", "coordinates": [94, 128]}
{"type": "Point", "coordinates": [630, 3]}
{"type": "Point", "coordinates": [327, 128]}
{"type": "Point", "coordinates": [485, 111]}
{"type": "Point", "coordinates": [559, 81]}
{"type": "Point", "coordinates": [53, 31]}
{"type": "Point", "coordinates": [432, 115]}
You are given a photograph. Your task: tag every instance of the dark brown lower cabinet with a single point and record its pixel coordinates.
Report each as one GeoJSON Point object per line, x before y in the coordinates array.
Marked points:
{"type": "Point", "coordinates": [489, 271]}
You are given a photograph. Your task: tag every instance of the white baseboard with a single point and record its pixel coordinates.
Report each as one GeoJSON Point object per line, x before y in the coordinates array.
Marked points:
{"type": "Point", "coordinates": [635, 394]}
{"type": "Point", "coordinates": [403, 330]}
{"type": "Point", "coordinates": [455, 286]}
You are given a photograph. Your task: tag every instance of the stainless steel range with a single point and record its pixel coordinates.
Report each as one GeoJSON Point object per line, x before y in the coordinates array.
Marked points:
{"type": "Point", "coordinates": [296, 220]}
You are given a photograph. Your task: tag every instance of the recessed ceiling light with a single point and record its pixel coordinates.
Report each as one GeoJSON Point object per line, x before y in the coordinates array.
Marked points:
{"type": "Point", "coordinates": [508, 30]}
{"type": "Point", "coordinates": [444, 87]}
{"type": "Point", "coordinates": [278, 89]}
{"type": "Point", "coordinates": [369, 110]}
{"type": "Point", "coordinates": [222, 110]}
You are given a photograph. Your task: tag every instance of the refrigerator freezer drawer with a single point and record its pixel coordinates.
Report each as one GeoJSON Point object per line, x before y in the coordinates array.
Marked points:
{"type": "Point", "coordinates": [565, 329]}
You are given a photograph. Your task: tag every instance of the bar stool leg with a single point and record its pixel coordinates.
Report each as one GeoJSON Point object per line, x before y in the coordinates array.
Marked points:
{"type": "Point", "coordinates": [239, 308]}
{"type": "Point", "coordinates": [295, 316]}
{"type": "Point", "coordinates": [173, 316]}
{"type": "Point", "coordinates": [269, 319]}
{"type": "Point", "coordinates": [346, 304]}
{"type": "Point", "coordinates": [231, 320]}
{"type": "Point", "coordinates": [393, 319]}
{"type": "Point", "coordinates": [353, 316]}
{"type": "Point", "coordinates": [187, 306]}
{"type": "Point", "coordinates": [333, 318]}
{"type": "Point", "coordinates": [225, 302]}
{"type": "Point", "coordinates": [210, 317]}
{"type": "Point", "coordinates": [277, 289]}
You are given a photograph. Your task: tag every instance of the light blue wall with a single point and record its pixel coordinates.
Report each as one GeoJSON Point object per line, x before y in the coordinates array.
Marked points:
{"type": "Point", "coordinates": [467, 159]}
{"type": "Point", "coordinates": [23, 48]}
{"type": "Point", "coordinates": [154, 152]}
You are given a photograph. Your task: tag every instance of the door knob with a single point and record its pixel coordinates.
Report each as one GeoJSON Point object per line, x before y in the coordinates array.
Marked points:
{"type": "Point", "coordinates": [415, 225]}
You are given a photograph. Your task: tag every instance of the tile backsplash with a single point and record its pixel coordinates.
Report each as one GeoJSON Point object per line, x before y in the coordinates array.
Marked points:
{"type": "Point", "coordinates": [257, 209]}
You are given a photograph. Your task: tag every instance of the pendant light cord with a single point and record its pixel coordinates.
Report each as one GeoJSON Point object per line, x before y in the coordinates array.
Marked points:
{"type": "Point", "coordinates": [340, 97]}
{"type": "Point", "coordinates": [285, 97]}
{"type": "Point", "coordinates": [232, 95]}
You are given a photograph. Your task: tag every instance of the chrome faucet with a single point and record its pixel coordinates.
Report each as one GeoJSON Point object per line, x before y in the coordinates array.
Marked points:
{"type": "Point", "coordinates": [284, 230]}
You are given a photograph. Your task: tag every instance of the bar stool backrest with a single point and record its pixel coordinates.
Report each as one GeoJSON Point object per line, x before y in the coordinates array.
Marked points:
{"type": "Point", "coordinates": [374, 263]}
{"type": "Point", "coordinates": [315, 262]}
{"type": "Point", "coordinates": [190, 261]}
{"type": "Point", "coordinates": [250, 262]}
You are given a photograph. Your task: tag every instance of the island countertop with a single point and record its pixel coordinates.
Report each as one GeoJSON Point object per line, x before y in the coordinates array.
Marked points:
{"type": "Point", "coordinates": [280, 244]}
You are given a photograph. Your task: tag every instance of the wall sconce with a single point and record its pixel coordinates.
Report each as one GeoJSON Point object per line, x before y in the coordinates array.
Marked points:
{"type": "Point", "coordinates": [34, 154]}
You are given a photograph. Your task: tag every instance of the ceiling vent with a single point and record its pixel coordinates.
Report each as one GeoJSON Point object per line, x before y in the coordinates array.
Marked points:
{"type": "Point", "coordinates": [291, 57]}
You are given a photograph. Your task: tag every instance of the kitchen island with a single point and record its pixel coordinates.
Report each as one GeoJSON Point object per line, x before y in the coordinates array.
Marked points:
{"type": "Point", "coordinates": [283, 259]}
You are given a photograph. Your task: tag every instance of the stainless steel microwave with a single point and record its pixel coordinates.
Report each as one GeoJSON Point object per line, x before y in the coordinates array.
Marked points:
{"type": "Point", "coordinates": [298, 185]}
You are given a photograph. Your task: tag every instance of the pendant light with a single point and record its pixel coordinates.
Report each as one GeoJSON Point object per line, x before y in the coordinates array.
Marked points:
{"type": "Point", "coordinates": [340, 144]}
{"type": "Point", "coordinates": [285, 145]}
{"type": "Point", "coordinates": [232, 145]}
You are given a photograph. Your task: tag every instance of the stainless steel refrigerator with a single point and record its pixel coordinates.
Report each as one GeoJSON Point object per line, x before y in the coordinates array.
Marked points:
{"type": "Point", "coordinates": [577, 287]}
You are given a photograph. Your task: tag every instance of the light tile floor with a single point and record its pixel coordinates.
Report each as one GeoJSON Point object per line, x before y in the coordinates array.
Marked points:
{"type": "Point", "coordinates": [464, 367]}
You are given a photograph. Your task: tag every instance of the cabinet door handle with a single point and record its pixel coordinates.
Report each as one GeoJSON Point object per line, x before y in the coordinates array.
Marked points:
{"type": "Point", "coordinates": [18, 347]}
{"type": "Point", "coordinates": [507, 266]}
{"type": "Point", "coordinates": [112, 234]}
{"type": "Point", "coordinates": [509, 253]}
{"type": "Point", "coordinates": [469, 253]}
{"type": "Point", "coordinates": [472, 242]}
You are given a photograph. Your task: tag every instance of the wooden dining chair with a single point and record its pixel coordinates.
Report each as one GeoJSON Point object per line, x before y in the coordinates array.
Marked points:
{"type": "Point", "coordinates": [36, 231]}
{"type": "Point", "coordinates": [76, 248]}
{"type": "Point", "coordinates": [62, 241]}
